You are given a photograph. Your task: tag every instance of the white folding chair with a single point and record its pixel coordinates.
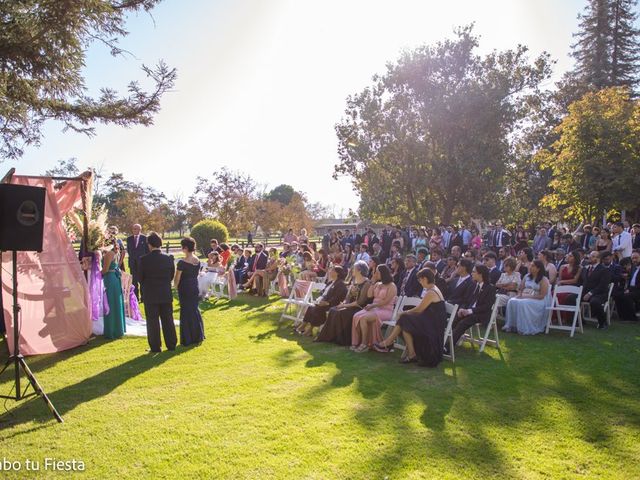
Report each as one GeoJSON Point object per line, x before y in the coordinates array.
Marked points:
{"type": "Point", "coordinates": [296, 305]}
{"type": "Point", "coordinates": [492, 326]}
{"type": "Point", "coordinates": [399, 307]}
{"type": "Point", "coordinates": [452, 310]}
{"type": "Point", "coordinates": [218, 287]}
{"type": "Point", "coordinates": [559, 308]}
{"type": "Point", "coordinates": [586, 308]}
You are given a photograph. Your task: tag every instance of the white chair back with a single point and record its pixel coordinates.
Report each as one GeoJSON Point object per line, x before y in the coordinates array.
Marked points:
{"type": "Point", "coordinates": [452, 310]}
{"type": "Point", "coordinates": [558, 308]}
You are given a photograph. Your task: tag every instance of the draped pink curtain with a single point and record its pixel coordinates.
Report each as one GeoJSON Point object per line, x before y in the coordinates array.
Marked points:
{"type": "Point", "coordinates": [52, 289]}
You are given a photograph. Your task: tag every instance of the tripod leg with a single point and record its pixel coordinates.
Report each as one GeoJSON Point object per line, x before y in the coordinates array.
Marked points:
{"type": "Point", "coordinates": [38, 389]}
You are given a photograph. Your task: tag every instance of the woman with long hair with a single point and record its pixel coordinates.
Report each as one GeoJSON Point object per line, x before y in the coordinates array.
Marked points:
{"type": "Point", "coordinates": [114, 321]}
{"type": "Point", "coordinates": [337, 328]}
{"type": "Point", "coordinates": [186, 281]}
{"type": "Point", "coordinates": [527, 312]}
{"type": "Point", "coordinates": [367, 324]}
{"type": "Point", "coordinates": [333, 294]}
{"type": "Point", "coordinates": [422, 327]}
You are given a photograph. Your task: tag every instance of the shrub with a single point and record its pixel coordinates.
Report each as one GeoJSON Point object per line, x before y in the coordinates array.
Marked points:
{"type": "Point", "coordinates": [203, 231]}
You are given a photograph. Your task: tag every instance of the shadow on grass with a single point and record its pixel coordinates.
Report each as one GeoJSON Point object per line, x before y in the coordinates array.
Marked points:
{"type": "Point", "coordinates": [69, 397]}
{"type": "Point", "coordinates": [537, 383]}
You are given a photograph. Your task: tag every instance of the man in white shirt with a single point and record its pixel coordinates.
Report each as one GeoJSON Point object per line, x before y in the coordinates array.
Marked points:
{"type": "Point", "coordinates": [622, 241]}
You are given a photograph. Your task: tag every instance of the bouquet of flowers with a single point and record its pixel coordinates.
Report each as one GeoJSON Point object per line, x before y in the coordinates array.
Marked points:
{"type": "Point", "coordinates": [98, 233]}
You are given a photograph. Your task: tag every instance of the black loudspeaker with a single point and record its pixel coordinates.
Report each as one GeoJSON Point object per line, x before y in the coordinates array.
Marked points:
{"type": "Point", "coordinates": [21, 218]}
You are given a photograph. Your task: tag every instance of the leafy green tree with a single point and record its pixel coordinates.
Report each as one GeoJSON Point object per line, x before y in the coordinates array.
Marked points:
{"type": "Point", "coordinates": [42, 53]}
{"type": "Point", "coordinates": [282, 194]}
{"type": "Point", "coordinates": [596, 160]}
{"type": "Point", "coordinates": [432, 138]}
{"type": "Point", "coordinates": [205, 230]}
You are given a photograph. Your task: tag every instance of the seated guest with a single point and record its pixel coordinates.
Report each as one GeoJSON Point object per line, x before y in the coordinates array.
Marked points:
{"type": "Point", "coordinates": [479, 311]}
{"type": "Point", "coordinates": [410, 287]}
{"type": "Point", "coordinates": [508, 282]}
{"type": "Point", "coordinates": [436, 258]}
{"type": "Point", "coordinates": [456, 252]}
{"type": "Point", "coordinates": [595, 287]}
{"type": "Point", "coordinates": [527, 312]}
{"type": "Point", "coordinates": [606, 258]}
{"type": "Point", "coordinates": [567, 243]}
{"type": "Point", "coordinates": [541, 241]}
{"type": "Point", "coordinates": [461, 289]}
{"type": "Point", "coordinates": [333, 294]}
{"type": "Point", "coordinates": [373, 263]}
{"type": "Point", "coordinates": [266, 276]}
{"type": "Point", "coordinates": [546, 257]}
{"type": "Point", "coordinates": [422, 327]}
{"type": "Point", "coordinates": [397, 271]}
{"type": "Point", "coordinates": [449, 270]}
{"type": "Point", "coordinates": [348, 258]}
{"type": "Point", "coordinates": [309, 267]}
{"type": "Point", "coordinates": [364, 253]}
{"type": "Point", "coordinates": [241, 266]}
{"type": "Point", "coordinates": [627, 300]}
{"type": "Point", "coordinates": [257, 263]}
{"type": "Point", "coordinates": [337, 328]}
{"type": "Point", "coordinates": [322, 266]}
{"type": "Point", "coordinates": [489, 260]}
{"type": "Point", "coordinates": [570, 274]}
{"type": "Point", "coordinates": [503, 254]}
{"type": "Point", "coordinates": [556, 242]}
{"type": "Point", "coordinates": [366, 326]}
{"type": "Point", "coordinates": [525, 257]}
{"type": "Point", "coordinates": [439, 281]}
{"type": "Point", "coordinates": [471, 255]}
{"type": "Point", "coordinates": [560, 258]}
{"type": "Point", "coordinates": [421, 258]}
{"type": "Point", "coordinates": [225, 253]}
{"type": "Point", "coordinates": [286, 250]}
{"type": "Point", "coordinates": [213, 270]}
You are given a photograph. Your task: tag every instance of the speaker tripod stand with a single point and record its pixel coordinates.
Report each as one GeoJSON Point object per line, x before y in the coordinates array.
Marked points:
{"type": "Point", "coordinates": [17, 360]}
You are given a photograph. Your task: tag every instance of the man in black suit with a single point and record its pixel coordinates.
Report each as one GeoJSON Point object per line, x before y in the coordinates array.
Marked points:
{"type": "Point", "coordinates": [626, 301]}
{"type": "Point", "coordinates": [421, 255]}
{"type": "Point", "coordinates": [636, 236]}
{"type": "Point", "coordinates": [156, 271]}
{"type": "Point", "coordinates": [410, 287]}
{"type": "Point", "coordinates": [439, 281]}
{"type": "Point", "coordinates": [489, 260]}
{"type": "Point", "coordinates": [461, 287]}
{"type": "Point", "coordinates": [501, 237]}
{"type": "Point", "coordinates": [436, 258]}
{"type": "Point", "coordinates": [482, 300]}
{"type": "Point", "coordinates": [595, 287]}
{"type": "Point", "coordinates": [137, 246]}
{"type": "Point", "coordinates": [586, 237]}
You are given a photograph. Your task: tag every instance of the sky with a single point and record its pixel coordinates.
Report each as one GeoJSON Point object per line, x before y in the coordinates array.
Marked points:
{"type": "Point", "coordinates": [262, 83]}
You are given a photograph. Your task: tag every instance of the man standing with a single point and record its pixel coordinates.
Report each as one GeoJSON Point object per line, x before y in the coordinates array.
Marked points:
{"type": "Point", "coordinates": [136, 247]}
{"type": "Point", "coordinates": [622, 244]}
{"type": "Point", "coordinates": [156, 271]}
{"type": "Point", "coordinates": [596, 279]}
{"type": "Point", "coordinates": [585, 241]}
{"type": "Point", "coordinates": [502, 238]}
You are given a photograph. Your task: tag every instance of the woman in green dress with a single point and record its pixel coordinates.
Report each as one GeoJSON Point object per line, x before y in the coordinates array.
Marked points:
{"type": "Point", "coordinates": [114, 322]}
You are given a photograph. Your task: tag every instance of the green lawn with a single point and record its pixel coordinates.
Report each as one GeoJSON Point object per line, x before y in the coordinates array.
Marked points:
{"type": "Point", "coordinates": [256, 402]}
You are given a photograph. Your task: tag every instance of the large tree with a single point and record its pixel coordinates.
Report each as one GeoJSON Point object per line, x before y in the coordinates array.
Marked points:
{"type": "Point", "coordinates": [607, 50]}
{"type": "Point", "coordinates": [42, 55]}
{"type": "Point", "coordinates": [433, 137]}
{"type": "Point", "coordinates": [596, 160]}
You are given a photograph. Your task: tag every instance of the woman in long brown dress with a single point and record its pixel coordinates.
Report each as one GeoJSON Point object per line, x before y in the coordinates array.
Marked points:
{"type": "Point", "coordinates": [337, 328]}
{"type": "Point", "coordinates": [333, 294]}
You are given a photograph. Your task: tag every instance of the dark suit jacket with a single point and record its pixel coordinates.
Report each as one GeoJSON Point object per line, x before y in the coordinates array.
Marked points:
{"type": "Point", "coordinates": [484, 300]}
{"type": "Point", "coordinates": [412, 287]}
{"type": "Point", "coordinates": [494, 276]}
{"type": "Point", "coordinates": [596, 282]}
{"type": "Point", "coordinates": [335, 293]}
{"type": "Point", "coordinates": [156, 271]}
{"type": "Point", "coordinates": [440, 266]}
{"type": "Point", "coordinates": [261, 259]}
{"type": "Point", "coordinates": [135, 253]}
{"type": "Point", "coordinates": [241, 263]}
{"type": "Point", "coordinates": [461, 295]}
{"type": "Point", "coordinates": [636, 242]}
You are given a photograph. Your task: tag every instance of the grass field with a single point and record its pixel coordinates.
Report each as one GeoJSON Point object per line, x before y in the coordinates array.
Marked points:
{"type": "Point", "coordinates": [254, 401]}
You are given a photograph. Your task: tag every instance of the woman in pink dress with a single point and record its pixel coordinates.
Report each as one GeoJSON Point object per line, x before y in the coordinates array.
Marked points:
{"type": "Point", "coordinates": [366, 328]}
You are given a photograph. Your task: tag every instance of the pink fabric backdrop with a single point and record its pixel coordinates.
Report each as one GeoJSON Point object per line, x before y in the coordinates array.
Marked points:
{"type": "Point", "coordinates": [52, 290]}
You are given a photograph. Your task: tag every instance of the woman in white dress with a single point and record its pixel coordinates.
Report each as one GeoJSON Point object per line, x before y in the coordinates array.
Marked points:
{"type": "Point", "coordinates": [527, 312]}
{"type": "Point", "coordinates": [508, 282]}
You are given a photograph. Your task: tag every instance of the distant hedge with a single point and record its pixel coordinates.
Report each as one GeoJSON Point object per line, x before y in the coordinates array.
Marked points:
{"type": "Point", "coordinates": [203, 231]}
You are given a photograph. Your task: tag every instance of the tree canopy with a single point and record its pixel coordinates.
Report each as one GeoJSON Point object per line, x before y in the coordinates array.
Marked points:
{"type": "Point", "coordinates": [432, 138]}
{"type": "Point", "coordinates": [42, 54]}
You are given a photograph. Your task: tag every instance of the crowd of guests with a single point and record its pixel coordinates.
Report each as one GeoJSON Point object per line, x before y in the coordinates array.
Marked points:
{"type": "Point", "coordinates": [367, 272]}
